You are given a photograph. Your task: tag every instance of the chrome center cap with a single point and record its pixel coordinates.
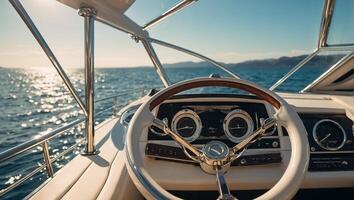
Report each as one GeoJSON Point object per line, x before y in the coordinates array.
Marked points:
{"type": "Point", "coordinates": [216, 150]}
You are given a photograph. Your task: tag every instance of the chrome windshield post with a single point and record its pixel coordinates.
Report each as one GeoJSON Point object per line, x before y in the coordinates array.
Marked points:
{"type": "Point", "coordinates": [322, 41]}
{"type": "Point", "coordinates": [89, 21]}
{"type": "Point", "coordinates": [155, 60]}
{"type": "Point", "coordinates": [326, 22]}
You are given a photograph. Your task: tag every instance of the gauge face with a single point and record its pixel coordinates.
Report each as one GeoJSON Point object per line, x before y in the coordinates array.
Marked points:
{"type": "Point", "coordinates": [329, 135]}
{"type": "Point", "coordinates": [187, 124]}
{"type": "Point", "coordinates": [238, 125]}
{"type": "Point", "coordinates": [186, 127]}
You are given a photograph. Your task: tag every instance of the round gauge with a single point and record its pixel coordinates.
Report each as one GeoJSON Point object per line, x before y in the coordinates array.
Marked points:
{"type": "Point", "coordinates": [238, 124]}
{"type": "Point", "coordinates": [187, 124]}
{"type": "Point", "coordinates": [329, 135]}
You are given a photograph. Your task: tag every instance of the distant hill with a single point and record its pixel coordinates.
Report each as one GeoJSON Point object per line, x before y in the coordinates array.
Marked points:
{"type": "Point", "coordinates": [271, 62]}
{"type": "Point", "coordinates": [285, 61]}
{"type": "Point", "coordinates": [281, 62]}
{"type": "Point", "coordinates": [187, 64]}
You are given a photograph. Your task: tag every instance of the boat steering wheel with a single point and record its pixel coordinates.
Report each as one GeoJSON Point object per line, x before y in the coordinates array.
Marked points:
{"type": "Point", "coordinates": [215, 157]}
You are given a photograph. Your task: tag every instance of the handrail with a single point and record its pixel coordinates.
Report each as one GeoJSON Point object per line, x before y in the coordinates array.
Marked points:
{"type": "Point", "coordinates": [104, 110]}
{"type": "Point", "coordinates": [48, 135]}
{"type": "Point", "coordinates": [112, 97]}
{"type": "Point", "coordinates": [6, 155]}
{"type": "Point", "coordinates": [40, 168]}
{"type": "Point", "coordinates": [123, 93]}
{"type": "Point", "coordinates": [32, 173]}
{"type": "Point", "coordinates": [43, 139]}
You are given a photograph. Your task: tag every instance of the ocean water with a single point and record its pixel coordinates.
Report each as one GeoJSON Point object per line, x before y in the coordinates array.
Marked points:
{"type": "Point", "coordinates": [35, 100]}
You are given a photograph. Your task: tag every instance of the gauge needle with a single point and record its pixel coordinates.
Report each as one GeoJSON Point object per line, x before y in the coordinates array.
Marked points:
{"type": "Point", "coordinates": [237, 127]}
{"type": "Point", "coordinates": [325, 137]}
{"type": "Point", "coordinates": [216, 151]}
{"type": "Point", "coordinates": [186, 127]}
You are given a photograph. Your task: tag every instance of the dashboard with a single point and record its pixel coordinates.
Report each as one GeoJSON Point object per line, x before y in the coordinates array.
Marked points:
{"type": "Point", "coordinates": [230, 118]}
{"type": "Point", "coordinates": [200, 121]}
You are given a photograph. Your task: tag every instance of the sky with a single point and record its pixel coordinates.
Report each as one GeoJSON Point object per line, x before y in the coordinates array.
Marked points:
{"type": "Point", "coordinates": [229, 31]}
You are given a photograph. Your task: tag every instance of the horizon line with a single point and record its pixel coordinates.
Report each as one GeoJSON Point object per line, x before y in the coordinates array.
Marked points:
{"type": "Point", "coordinates": [148, 66]}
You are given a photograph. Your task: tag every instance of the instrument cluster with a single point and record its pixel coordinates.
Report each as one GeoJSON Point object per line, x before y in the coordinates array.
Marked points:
{"type": "Point", "coordinates": [200, 122]}
{"type": "Point", "coordinates": [237, 125]}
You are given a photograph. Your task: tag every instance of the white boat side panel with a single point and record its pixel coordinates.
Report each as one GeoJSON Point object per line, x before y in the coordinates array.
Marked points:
{"type": "Point", "coordinates": [94, 178]}
{"type": "Point", "coordinates": [63, 181]}
{"type": "Point", "coordinates": [118, 184]}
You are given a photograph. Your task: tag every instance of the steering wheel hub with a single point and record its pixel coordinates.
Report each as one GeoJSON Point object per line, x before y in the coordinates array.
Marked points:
{"type": "Point", "coordinates": [215, 154]}
{"type": "Point", "coordinates": [216, 150]}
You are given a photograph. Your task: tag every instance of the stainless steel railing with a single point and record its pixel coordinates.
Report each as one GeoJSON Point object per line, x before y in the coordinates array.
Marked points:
{"type": "Point", "coordinates": [179, 6]}
{"type": "Point", "coordinates": [43, 139]}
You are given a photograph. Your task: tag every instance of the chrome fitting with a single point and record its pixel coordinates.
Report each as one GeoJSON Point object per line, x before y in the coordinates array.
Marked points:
{"type": "Point", "coordinates": [135, 38]}
{"type": "Point", "coordinates": [86, 153]}
{"type": "Point", "coordinates": [87, 12]}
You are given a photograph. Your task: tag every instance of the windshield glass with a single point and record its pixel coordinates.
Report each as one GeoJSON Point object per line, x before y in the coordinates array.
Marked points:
{"type": "Point", "coordinates": [142, 11]}
{"type": "Point", "coordinates": [342, 25]}
{"type": "Point", "coordinates": [311, 70]}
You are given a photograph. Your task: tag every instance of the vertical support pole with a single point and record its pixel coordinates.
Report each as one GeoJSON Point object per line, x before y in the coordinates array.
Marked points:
{"type": "Point", "coordinates": [46, 156]}
{"type": "Point", "coordinates": [115, 102]}
{"type": "Point", "coordinates": [89, 20]}
{"type": "Point", "coordinates": [325, 22]}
